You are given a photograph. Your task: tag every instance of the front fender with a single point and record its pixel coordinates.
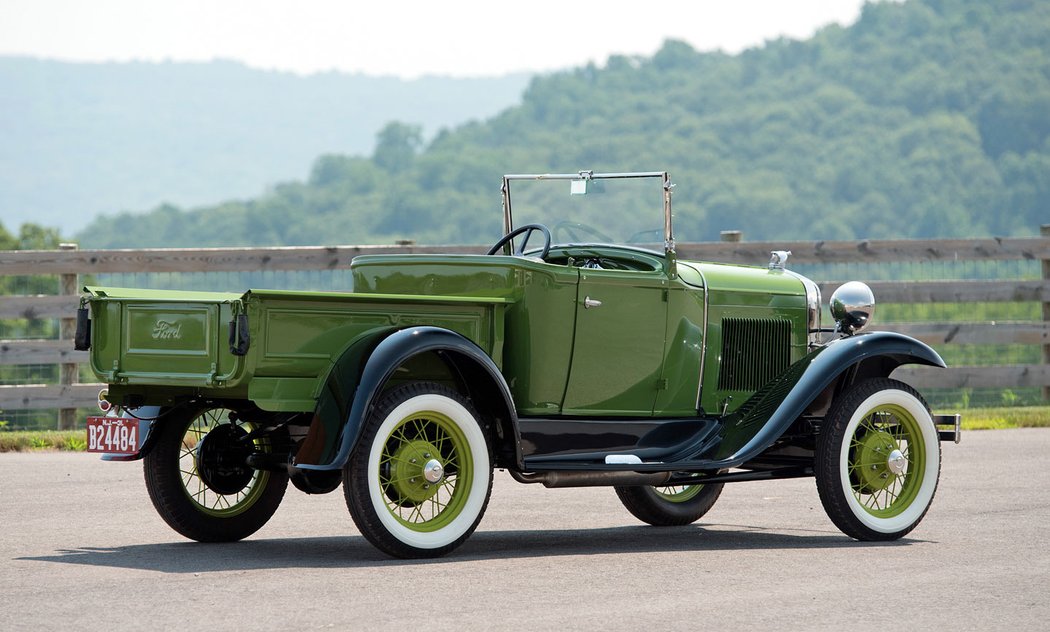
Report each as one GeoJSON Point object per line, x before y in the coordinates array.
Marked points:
{"type": "Point", "coordinates": [770, 412]}
{"type": "Point", "coordinates": [367, 369]}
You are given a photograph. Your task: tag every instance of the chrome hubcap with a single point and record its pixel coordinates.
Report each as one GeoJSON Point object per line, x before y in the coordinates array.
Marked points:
{"type": "Point", "coordinates": [896, 462]}
{"type": "Point", "coordinates": [432, 471]}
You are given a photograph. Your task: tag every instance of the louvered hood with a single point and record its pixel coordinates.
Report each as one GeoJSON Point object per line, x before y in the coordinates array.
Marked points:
{"type": "Point", "coordinates": [756, 328]}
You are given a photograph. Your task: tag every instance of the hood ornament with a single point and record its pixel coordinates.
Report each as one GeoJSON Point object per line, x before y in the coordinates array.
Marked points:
{"type": "Point", "coordinates": [778, 259]}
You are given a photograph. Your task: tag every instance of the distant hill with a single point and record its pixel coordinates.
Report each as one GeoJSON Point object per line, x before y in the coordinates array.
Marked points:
{"type": "Point", "coordinates": [80, 139]}
{"type": "Point", "coordinates": [925, 118]}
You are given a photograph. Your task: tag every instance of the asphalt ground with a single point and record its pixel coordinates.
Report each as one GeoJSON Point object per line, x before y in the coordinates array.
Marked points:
{"type": "Point", "coordinates": [82, 548]}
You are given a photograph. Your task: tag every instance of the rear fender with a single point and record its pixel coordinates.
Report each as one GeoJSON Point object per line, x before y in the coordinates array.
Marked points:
{"type": "Point", "coordinates": [357, 380]}
{"type": "Point", "coordinates": [762, 419]}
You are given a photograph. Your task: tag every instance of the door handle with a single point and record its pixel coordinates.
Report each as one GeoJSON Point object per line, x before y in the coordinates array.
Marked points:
{"type": "Point", "coordinates": [591, 302]}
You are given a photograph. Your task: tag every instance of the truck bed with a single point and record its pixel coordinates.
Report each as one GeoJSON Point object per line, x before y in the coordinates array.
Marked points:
{"type": "Point", "coordinates": [271, 346]}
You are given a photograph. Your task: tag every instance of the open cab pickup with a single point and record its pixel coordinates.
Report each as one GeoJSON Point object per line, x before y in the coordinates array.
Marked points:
{"type": "Point", "coordinates": [592, 357]}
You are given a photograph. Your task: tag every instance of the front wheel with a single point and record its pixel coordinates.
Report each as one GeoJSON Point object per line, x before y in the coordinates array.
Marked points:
{"type": "Point", "coordinates": [669, 506]}
{"type": "Point", "coordinates": [198, 478]}
{"type": "Point", "coordinates": [419, 481]}
{"type": "Point", "coordinates": [878, 460]}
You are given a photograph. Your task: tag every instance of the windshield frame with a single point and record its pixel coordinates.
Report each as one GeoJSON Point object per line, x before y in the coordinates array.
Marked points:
{"type": "Point", "coordinates": [663, 176]}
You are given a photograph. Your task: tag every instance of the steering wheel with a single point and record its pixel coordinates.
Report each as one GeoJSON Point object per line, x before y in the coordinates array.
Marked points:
{"type": "Point", "coordinates": [527, 229]}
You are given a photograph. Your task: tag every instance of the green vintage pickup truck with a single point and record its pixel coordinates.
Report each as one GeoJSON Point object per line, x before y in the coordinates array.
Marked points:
{"type": "Point", "coordinates": [593, 357]}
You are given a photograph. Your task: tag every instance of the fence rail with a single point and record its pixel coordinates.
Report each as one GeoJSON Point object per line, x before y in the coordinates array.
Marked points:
{"type": "Point", "coordinates": [15, 352]}
{"type": "Point", "coordinates": [47, 396]}
{"type": "Point", "coordinates": [69, 262]}
{"type": "Point", "coordinates": [331, 257]}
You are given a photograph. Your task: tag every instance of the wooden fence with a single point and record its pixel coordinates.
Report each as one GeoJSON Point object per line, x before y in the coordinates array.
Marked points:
{"type": "Point", "coordinates": [69, 262]}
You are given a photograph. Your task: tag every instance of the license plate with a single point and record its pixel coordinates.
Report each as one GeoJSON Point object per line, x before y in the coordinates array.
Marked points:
{"type": "Point", "coordinates": [113, 435]}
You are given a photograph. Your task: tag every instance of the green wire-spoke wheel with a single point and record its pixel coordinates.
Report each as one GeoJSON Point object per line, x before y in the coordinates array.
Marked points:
{"type": "Point", "coordinates": [878, 460]}
{"type": "Point", "coordinates": [419, 481]}
{"type": "Point", "coordinates": [677, 493]}
{"type": "Point", "coordinates": [669, 505]}
{"type": "Point", "coordinates": [198, 478]}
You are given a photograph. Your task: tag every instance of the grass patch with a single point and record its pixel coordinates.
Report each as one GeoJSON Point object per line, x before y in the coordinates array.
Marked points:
{"type": "Point", "coordinates": [1005, 417]}
{"type": "Point", "coordinates": [36, 440]}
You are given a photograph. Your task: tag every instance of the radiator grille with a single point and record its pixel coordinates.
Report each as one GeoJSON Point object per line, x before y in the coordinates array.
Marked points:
{"type": "Point", "coordinates": [754, 352]}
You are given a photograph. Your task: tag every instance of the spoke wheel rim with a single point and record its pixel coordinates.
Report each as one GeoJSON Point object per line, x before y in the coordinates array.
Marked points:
{"type": "Point", "coordinates": [411, 500]}
{"type": "Point", "coordinates": [205, 499]}
{"type": "Point", "coordinates": [876, 488]}
{"type": "Point", "coordinates": [677, 493]}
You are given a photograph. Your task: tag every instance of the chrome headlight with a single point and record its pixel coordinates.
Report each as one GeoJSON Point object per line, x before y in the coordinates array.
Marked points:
{"type": "Point", "coordinates": [852, 306]}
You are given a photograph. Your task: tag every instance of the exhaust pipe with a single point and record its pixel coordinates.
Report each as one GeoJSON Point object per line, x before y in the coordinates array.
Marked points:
{"type": "Point", "coordinates": [591, 479]}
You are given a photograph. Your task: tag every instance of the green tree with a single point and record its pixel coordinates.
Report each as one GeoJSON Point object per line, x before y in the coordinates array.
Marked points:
{"type": "Point", "coordinates": [924, 119]}
{"type": "Point", "coordinates": [396, 146]}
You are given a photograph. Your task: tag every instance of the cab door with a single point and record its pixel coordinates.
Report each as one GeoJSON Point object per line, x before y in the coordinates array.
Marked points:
{"type": "Point", "coordinates": [618, 348]}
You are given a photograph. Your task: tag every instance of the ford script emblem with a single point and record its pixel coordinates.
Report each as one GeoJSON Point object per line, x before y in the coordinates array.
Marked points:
{"type": "Point", "coordinates": [164, 330]}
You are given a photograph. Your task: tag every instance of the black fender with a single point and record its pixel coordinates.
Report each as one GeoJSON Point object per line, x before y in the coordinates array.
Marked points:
{"type": "Point", "coordinates": [368, 364]}
{"type": "Point", "coordinates": [763, 418]}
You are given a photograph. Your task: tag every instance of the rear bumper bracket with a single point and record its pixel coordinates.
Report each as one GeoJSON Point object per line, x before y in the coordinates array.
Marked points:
{"type": "Point", "coordinates": [949, 427]}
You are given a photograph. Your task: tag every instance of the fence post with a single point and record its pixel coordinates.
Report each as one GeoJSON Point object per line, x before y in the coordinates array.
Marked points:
{"type": "Point", "coordinates": [68, 285]}
{"type": "Point", "coordinates": [1044, 230]}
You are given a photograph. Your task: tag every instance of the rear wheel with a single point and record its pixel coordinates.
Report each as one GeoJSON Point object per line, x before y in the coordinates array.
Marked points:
{"type": "Point", "coordinates": [878, 460]}
{"type": "Point", "coordinates": [419, 481]}
{"type": "Point", "coordinates": [198, 478]}
{"type": "Point", "coordinates": [669, 506]}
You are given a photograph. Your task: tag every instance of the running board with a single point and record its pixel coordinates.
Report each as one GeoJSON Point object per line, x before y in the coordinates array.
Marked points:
{"type": "Point", "coordinates": [615, 441]}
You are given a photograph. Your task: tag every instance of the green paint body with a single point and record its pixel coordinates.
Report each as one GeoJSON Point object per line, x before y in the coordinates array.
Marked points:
{"type": "Point", "coordinates": [657, 333]}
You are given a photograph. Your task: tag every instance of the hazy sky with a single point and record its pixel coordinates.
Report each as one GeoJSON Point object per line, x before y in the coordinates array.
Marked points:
{"type": "Point", "coordinates": [407, 38]}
